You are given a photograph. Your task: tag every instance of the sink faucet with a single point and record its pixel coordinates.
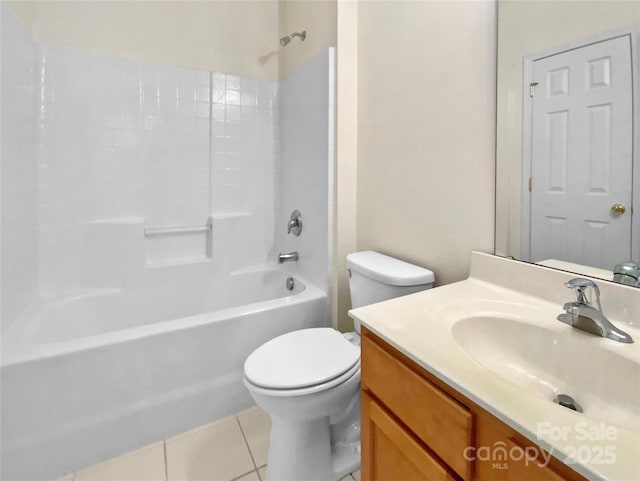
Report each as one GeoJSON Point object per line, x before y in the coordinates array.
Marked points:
{"type": "Point", "coordinates": [291, 256]}
{"type": "Point", "coordinates": [583, 315]}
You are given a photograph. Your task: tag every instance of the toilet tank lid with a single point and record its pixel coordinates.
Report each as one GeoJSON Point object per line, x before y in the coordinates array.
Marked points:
{"type": "Point", "coordinates": [388, 270]}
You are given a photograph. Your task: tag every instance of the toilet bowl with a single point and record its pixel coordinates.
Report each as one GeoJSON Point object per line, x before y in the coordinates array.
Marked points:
{"type": "Point", "coordinates": [309, 380]}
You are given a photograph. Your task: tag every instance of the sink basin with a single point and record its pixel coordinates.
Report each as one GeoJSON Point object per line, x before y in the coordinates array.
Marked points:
{"type": "Point", "coordinates": [547, 361]}
{"type": "Point", "coordinates": [495, 339]}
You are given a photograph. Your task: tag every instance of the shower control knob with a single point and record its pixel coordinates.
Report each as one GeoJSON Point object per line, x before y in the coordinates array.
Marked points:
{"type": "Point", "coordinates": [294, 226]}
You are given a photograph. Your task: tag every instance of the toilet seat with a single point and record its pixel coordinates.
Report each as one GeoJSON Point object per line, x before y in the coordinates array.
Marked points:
{"type": "Point", "coordinates": [305, 360]}
{"type": "Point", "coordinates": [354, 371]}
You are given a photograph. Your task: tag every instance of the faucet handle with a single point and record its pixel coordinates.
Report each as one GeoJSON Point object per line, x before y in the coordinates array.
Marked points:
{"type": "Point", "coordinates": [627, 273]}
{"type": "Point", "coordinates": [579, 286]}
{"type": "Point", "coordinates": [294, 226]}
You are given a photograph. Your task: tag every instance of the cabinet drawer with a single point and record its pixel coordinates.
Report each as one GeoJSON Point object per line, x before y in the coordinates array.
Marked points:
{"type": "Point", "coordinates": [391, 453]}
{"type": "Point", "coordinates": [436, 418]}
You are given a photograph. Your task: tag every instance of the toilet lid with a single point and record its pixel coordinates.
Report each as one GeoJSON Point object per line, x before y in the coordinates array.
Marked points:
{"type": "Point", "coordinates": [300, 359]}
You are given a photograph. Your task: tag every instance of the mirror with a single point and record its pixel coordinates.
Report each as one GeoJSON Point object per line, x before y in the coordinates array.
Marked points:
{"type": "Point", "coordinates": [549, 54]}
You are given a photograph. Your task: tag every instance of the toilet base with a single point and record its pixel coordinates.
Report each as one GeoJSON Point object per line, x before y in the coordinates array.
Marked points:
{"type": "Point", "coordinates": [346, 459]}
{"type": "Point", "coordinates": [315, 431]}
{"type": "Point", "coordinates": [300, 452]}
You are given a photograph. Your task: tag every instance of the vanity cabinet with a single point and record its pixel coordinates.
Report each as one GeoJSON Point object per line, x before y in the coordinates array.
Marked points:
{"type": "Point", "coordinates": [417, 428]}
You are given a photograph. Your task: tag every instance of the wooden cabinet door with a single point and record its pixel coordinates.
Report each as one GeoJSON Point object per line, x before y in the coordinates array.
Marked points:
{"type": "Point", "coordinates": [438, 420]}
{"type": "Point", "coordinates": [389, 453]}
{"type": "Point", "coordinates": [525, 462]}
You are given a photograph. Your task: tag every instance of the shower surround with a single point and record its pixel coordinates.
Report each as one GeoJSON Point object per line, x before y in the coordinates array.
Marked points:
{"type": "Point", "coordinates": [143, 207]}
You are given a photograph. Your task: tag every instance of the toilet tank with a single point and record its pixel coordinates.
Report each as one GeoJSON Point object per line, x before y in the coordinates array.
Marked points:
{"type": "Point", "coordinates": [375, 277]}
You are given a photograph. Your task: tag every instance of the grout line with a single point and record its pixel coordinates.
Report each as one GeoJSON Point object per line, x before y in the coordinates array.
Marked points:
{"type": "Point", "coordinates": [210, 153]}
{"type": "Point", "coordinates": [166, 469]}
{"type": "Point", "coordinates": [245, 474]}
{"type": "Point", "coordinates": [247, 443]}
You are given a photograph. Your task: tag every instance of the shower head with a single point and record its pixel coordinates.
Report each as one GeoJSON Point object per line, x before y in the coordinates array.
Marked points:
{"type": "Point", "coordinates": [284, 41]}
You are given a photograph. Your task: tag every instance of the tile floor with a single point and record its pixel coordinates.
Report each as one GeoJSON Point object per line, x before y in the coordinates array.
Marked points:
{"type": "Point", "coordinates": [230, 449]}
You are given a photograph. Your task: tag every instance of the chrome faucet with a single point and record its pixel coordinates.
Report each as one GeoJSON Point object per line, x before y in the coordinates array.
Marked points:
{"type": "Point", "coordinates": [583, 315]}
{"type": "Point", "coordinates": [289, 257]}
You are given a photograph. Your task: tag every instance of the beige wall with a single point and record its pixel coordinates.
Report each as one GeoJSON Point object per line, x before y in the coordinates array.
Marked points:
{"type": "Point", "coordinates": [318, 18]}
{"type": "Point", "coordinates": [345, 178]}
{"type": "Point", "coordinates": [233, 36]}
{"type": "Point", "coordinates": [426, 131]}
{"type": "Point", "coordinates": [237, 37]}
{"type": "Point", "coordinates": [528, 27]}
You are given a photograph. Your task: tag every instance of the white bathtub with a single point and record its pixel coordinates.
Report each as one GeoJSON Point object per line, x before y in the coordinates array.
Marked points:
{"type": "Point", "coordinates": [95, 375]}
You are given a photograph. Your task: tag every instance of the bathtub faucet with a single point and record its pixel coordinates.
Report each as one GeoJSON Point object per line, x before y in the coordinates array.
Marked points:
{"type": "Point", "coordinates": [291, 256]}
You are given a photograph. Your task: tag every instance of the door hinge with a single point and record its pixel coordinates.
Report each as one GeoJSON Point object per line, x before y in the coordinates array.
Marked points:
{"type": "Point", "coordinates": [531, 88]}
{"type": "Point", "coordinates": [530, 183]}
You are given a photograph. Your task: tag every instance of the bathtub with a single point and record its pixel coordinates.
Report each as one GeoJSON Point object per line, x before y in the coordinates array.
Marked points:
{"type": "Point", "coordinates": [105, 371]}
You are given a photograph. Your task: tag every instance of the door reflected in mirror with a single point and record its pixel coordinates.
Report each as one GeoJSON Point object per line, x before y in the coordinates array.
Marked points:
{"type": "Point", "coordinates": [567, 96]}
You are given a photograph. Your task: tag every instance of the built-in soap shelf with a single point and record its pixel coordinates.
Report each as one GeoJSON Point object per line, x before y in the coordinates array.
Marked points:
{"type": "Point", "coordinates": [178, 244]}
{"type": "Point", "coordinates": [177, 230]}
{"type": "Point", "coordinates": [117, 249]}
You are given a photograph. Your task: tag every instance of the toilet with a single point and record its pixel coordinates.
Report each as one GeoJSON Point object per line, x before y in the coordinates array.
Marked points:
{"type": "Point", "coordinates": [309, 380]}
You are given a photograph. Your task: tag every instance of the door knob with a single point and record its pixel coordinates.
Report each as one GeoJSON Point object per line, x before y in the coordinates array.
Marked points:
{"type": "Point", "coordinates": [618, 209]}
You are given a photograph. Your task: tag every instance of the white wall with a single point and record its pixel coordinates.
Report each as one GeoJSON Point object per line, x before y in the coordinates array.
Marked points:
{"type": "Point", "coordinates": [244, 169]}
{"type": "Point", "coordinates": [110, 146]}
{"type": "Point", "coordinates": [426, 131]}
{"type": "Point", "coordinates": [118, 139]}
{"type": "Point", "coordinates": [19, 168]}
{"type": "Point", "coordinates": [319, 18]}
{"type": "Point", "coordinates": [306, 167]}
{"type": "Point", "coordinates": [237, 38]}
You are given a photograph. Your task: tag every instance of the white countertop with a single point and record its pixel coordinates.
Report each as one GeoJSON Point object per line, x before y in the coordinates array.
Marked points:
{"type": "Point", "coordinates": [420, 326]}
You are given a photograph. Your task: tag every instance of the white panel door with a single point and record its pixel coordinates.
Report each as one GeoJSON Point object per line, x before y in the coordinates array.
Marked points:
{"type": "Point", "coordinates": [581, 155]}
